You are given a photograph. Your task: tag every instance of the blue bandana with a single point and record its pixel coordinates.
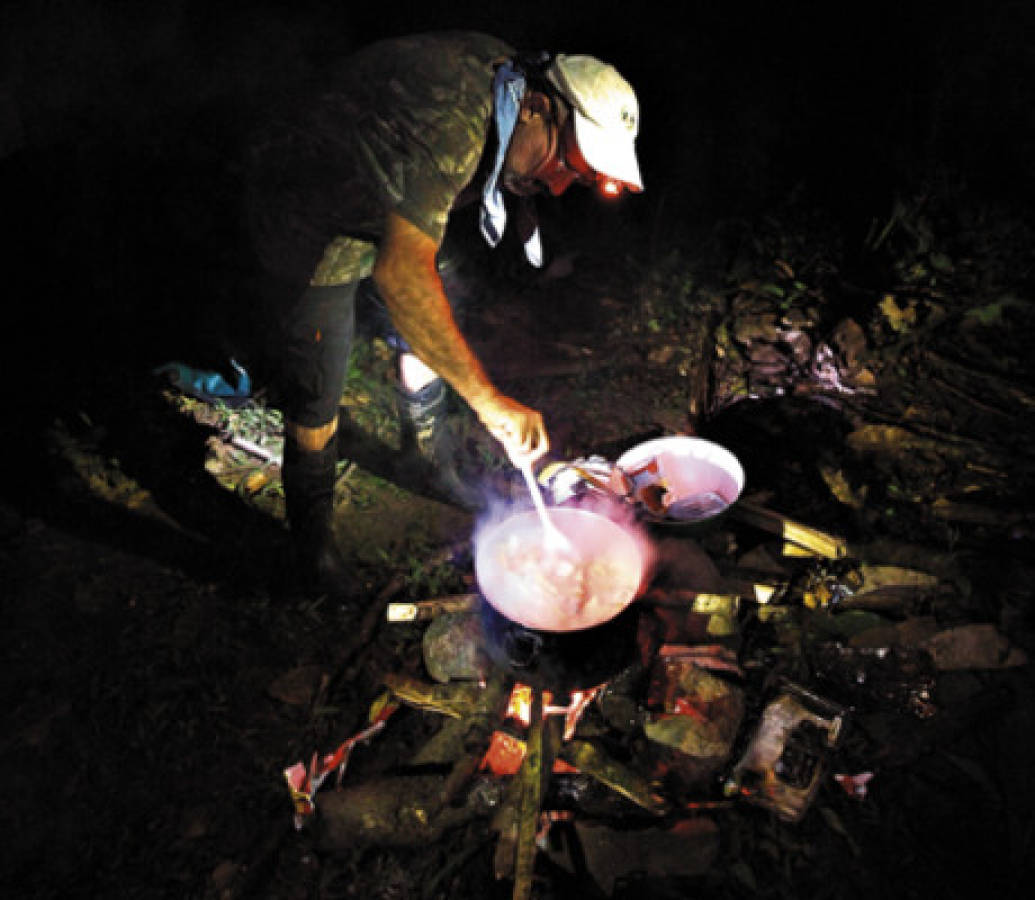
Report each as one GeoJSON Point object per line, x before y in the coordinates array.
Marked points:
{"type": "Point", "coordinates": [508, 88]}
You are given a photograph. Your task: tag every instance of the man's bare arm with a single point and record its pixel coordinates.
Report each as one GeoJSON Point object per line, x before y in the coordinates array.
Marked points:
{"type": "Point", "coordinates": [408, 280]}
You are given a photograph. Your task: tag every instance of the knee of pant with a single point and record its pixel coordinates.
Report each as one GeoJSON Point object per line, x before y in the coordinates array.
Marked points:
{"type": "Point", "coordinates": [311, 439]}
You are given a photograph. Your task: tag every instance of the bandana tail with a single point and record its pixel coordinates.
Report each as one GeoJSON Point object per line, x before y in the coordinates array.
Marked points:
{"type": "Point", "coordinates": [508, 89]}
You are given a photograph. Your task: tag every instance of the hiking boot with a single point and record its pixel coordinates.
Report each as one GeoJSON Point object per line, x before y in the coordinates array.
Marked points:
{"type": "Point", "coordinates": [308, 479]}
{"type": "Point", "coordinates": [426, 440]}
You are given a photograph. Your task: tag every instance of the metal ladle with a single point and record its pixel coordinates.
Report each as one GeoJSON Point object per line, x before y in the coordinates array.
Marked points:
{"type": "Point", "coordinates": [553, 538]}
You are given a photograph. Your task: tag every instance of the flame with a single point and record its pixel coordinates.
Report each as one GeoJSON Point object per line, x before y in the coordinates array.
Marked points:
{"type": "Point", "coordinates": [519, 707]}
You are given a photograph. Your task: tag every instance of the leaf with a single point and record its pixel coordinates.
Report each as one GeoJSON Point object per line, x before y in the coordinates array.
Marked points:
{"type": "Point", "coordinates": [976, 646]}
{"type": "Point", "coordinates": [840, 487]}
{"type": "Point", "coordinates": [886, 438]}
{"type": "Point", "coordinates": [877, 577]}
{"type": "Point", "coordinates": [977, 774]}
{"type": "Point", "coordinates": [992, 313]}
{"type": "Point", "coordinates": [833, 821]}
{"type": "Point", "coordinates": [899, 318]}
{"type": "Point", "coordinates": [835, 824]}
{"type": "Point", "coordinates": [741, 871]}
{"type": "Point", "coordinates": [846, 624]}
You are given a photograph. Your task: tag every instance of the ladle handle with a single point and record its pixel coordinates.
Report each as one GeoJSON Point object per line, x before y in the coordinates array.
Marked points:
{"type": "Point", "coordinates": [551, 532]}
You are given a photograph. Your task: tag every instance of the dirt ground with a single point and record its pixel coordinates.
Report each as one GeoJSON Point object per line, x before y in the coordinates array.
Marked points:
{"type": "Point", "coordinates": [161, 669]}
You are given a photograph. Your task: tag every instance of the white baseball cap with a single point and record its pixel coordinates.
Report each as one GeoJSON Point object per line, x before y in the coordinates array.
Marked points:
{"type": "Point", "coordinates": [607, 116]}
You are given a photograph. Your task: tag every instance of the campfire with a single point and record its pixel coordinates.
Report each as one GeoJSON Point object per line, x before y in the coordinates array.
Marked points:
{"type": "Point", "coordinates": [565, 705]}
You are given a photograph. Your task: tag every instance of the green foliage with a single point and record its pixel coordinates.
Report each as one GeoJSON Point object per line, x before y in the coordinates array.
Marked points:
{"type": "Point", "coordinates": [992, 313]}
{"type": "Point", "coordinates": [424, 576]}
{"type": "Point", "coordinates": [254, 421]}
{"type": "Point", "coordinates": [669, 294]}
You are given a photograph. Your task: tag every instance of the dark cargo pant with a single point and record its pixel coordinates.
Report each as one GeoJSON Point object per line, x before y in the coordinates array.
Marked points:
{"type": "Point", "coordinates": [318, 332]}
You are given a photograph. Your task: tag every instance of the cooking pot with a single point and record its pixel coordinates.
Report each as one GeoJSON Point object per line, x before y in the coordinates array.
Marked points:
{"type": "Point", "coordinates": [561, 660]}
{"type": "Point", "coordinates": [530, 582]}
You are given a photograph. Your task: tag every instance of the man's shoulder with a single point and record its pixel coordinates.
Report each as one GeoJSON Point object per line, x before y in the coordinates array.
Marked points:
{"type": "Point", "coordinates": [442, 46]}
{"type": "Point", "coordinates": [441, 72]}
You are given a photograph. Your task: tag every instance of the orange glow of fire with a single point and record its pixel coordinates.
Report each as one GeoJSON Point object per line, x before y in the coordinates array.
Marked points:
{"type": "Point", "coordinates": [519, 707]}
{"type": "Point", "coordinates": [506, 753]}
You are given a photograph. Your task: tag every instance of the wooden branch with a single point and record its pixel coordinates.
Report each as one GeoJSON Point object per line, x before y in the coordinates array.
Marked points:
{"type": "Point", "coordinates": [826, 545]}
{"type": "Point", "coordinates": [422, 610]}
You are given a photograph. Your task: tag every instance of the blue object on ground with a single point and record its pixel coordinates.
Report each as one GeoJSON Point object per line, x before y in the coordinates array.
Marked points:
{"type": "Point", "coordinates": [211, 387]}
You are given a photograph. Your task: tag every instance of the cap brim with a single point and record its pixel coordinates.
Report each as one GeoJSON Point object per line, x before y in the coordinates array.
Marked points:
{"type": "Point", "coordinates": [609, 153]}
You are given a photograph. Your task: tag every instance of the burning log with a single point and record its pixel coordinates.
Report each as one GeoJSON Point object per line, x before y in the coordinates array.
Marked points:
{"type": "Point", "coordinates": [892, 588]}
{"type": "Point", "coordinates": [477, 738]}
{"type": "Point", "coordinates": [517, 821]}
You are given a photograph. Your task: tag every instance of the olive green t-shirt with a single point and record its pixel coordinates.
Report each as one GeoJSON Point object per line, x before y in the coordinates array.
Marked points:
{"type": "Point", "coordinates": [400, 126]}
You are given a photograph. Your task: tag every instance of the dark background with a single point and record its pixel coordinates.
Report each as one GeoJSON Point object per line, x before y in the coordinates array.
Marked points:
{"type": "Point", "coordinates": [739, 98]}
{"type": "Point", "coordinates": [119, 124]}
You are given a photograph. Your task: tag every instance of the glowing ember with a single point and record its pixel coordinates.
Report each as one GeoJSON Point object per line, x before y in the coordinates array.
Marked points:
{"type": "Point", "coordinates": [519, 707]}
{"type": "Point", "coordinates": [506, 752]}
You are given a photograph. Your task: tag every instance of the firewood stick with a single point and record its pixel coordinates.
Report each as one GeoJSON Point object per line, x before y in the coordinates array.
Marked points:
{"type": "Point", "coordinates": [531, 800]}
{"type": "Point", "coordinates": [826, 545]}
{"type": "Point", "coordinates": [353, 653]}
{"type": "Point", "coordinates": [255, 449]}
{"type": "Point", "coordinates": [422, 610]}
{"type": "Point", "coordinates": [476, 739]}
{"type": "Point", "coordinates": [591, 760]}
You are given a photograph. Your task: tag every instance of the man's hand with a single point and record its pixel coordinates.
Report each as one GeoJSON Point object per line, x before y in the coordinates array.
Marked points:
{"type": "Point", "coordinates": [519, 429]}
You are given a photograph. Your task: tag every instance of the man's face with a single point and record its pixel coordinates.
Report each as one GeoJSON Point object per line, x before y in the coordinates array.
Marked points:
{"type": "Point", "coordinates": [543, 155]}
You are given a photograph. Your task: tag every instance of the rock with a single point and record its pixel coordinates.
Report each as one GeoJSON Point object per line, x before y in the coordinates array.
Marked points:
{"type": "Point", "coordinates": [910, 632]}
{"type": "Point", "coordinates": [453, 647]}
{"type": "Point", "coordinates": [685, 850]}
{"type": "Point", "coordinates": [849, 341]}
{"type": "Point", "coordinates": [400, 811]}
{"type": "Point", "coordinates": [224, 874]}
{"type": "Point", "coordinates": [694, 720]}
{"type": "Point", "coordinates": [296, 687]}
{"type": "Point", "coordinates": [980, 646]}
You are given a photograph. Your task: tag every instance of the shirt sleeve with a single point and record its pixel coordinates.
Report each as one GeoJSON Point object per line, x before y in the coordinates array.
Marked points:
{"type": "Point", "coordinates": [424, 144]}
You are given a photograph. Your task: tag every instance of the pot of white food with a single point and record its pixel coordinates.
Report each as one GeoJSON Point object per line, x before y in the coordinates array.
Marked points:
{"type": "Point", "coordinates": [549, 587]}
{"type": "Point", "coordinates": [559, 614]}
